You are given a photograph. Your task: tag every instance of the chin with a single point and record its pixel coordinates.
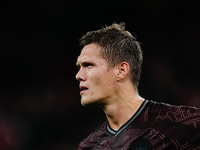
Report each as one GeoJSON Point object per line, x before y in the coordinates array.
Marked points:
{"type": "Point", "coordinates": [85, 102]}
{"type": "Point", "coordinates": [88, 102]}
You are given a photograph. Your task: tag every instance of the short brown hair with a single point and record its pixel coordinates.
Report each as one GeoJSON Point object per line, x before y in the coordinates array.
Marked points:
{"type": "Point", "coordinates": [117, 45]}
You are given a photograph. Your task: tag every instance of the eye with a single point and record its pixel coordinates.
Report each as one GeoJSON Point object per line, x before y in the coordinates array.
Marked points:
{"type": "Point", "coordinates": [87, 64]}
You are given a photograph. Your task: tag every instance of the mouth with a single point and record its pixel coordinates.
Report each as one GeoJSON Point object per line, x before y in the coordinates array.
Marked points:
{"type": "Point", "coordinates": [83, 89]}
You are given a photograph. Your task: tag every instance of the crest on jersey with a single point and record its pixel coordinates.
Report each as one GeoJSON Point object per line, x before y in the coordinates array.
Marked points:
{"type": "Point", "coordinates": [141, 144]}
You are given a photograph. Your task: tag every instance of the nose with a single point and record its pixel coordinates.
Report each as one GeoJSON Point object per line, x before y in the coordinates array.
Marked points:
{"type": "Point", "coordinates": [80, 76]}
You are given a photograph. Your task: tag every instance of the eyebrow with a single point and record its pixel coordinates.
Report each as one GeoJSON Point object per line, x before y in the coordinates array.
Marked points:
{"type": "Point", "coordinates": [77, 64]}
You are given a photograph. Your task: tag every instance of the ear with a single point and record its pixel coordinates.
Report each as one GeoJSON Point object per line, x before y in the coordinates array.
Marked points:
{"type": "Point", "coordinates": [122, 70]}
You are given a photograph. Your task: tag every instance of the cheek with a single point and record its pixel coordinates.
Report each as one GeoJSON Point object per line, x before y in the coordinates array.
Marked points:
{"type": "Point", "coordinates": [105, 81]}
{"type": "Point", "coordinates": [97, 80]}
{"type": "Point", "coordinates": [101, 78]}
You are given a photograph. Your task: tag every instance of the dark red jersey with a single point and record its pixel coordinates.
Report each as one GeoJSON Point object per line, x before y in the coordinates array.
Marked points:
{"type": "Point", "coordinates": [155, 126]}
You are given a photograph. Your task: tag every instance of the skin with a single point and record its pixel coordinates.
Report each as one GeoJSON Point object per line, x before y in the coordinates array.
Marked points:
{"type": "Point", "coordinates": [106, 87]}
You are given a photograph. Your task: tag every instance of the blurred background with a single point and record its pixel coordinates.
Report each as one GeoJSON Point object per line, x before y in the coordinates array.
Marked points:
{"type": "Point", "coordinates": [39, 97]}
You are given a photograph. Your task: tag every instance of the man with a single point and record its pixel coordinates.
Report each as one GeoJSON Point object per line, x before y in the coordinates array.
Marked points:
{"type": "Point", "coordinates": [109, 72]}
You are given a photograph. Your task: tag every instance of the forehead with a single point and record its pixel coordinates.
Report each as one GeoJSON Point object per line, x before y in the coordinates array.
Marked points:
{"type": "Point", "coordinates": [90, 52]}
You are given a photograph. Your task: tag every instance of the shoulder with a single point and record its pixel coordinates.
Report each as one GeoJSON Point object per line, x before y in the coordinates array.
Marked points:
{"type": "Point", "coordinates": [176, 113]}
{"type": "Point", "coordinates": [166, 108]}
{"type": "Point", "coordinates": [94, 138]}
{"type": "Point", "coordinates": [177, 123]}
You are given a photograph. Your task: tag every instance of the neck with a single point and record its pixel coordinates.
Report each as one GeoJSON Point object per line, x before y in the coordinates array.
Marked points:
{"type": "Point", "coordinates": [123, 108]}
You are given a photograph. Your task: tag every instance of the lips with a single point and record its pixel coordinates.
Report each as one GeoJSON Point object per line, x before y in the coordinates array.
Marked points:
{"type": "Point", "coordinates": [83, 89]}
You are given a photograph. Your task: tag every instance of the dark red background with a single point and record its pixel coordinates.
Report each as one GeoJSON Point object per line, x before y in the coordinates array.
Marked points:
{"type": "Point", "coordinates": [39, 97]}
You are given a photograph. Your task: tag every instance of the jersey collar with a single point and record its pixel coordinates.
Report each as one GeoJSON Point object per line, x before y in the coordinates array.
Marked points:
{"type": "Point", "coordinates": [114, 132]}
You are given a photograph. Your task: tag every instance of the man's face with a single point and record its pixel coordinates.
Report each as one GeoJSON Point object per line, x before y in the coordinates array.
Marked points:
{"type": "Point", "coordinates": [97, 80]}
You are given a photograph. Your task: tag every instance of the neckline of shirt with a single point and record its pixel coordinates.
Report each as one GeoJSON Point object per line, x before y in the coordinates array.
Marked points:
{"type": "Point", "coordinates": [114, 132]}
